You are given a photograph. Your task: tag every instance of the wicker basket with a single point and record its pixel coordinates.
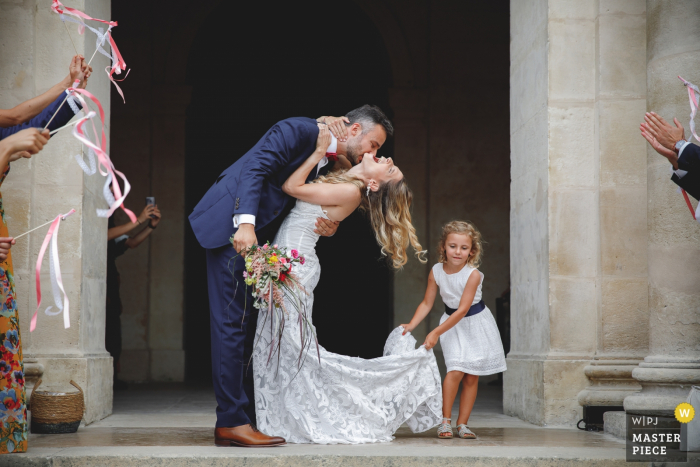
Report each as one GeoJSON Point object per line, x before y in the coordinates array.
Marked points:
{"type": "Point", "coordinates": [56, 412]}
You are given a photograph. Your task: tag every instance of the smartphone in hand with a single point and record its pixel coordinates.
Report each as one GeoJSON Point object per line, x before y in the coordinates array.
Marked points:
{"type": "Point", "coordinates": [151, 201]}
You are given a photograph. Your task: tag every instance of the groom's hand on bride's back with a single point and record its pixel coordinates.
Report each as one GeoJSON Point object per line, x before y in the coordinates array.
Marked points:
{"type": "Point", "coordinates": [326, 227]}
{"type": "Point", "coordinates": [244, 237]}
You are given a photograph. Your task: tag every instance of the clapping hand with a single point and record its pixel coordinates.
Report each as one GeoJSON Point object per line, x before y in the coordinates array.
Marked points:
{"type": "Point", "coordinates": [665, 134]}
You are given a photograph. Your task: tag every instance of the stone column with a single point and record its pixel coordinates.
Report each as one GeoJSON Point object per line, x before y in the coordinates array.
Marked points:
{"type": "Point", "coordinates": [673, 362]}
{"type": "Point", "coordinates": [35, 56]}
{"type": "Point", "coordinates": [620, 98]}
{"type": "Point", "coordinates": [578, 216]}
{"type": "Point", "coordinates": [166, 287]}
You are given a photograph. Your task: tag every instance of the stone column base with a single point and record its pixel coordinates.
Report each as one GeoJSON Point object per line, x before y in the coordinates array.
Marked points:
{"type": "Point", "coordinates": [610, 382]}
{"type": "Point", "coordinates": [92, 372]}
{"type": "Point", "coordinates": [543, 391]}
{"type": "Point", "coordinates": [666, 382]}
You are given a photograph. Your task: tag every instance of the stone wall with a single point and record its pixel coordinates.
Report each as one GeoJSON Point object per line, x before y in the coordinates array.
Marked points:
{"type": "Point", "coordinates": [35, 54]}
{"type": "Point", "coordinates": [577, 206]}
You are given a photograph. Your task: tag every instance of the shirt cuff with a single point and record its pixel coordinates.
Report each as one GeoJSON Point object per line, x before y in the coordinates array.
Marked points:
{"type": "Point", "coordinates": [682, 148]}
{"type": "Point", "coordinates": [239, 219]}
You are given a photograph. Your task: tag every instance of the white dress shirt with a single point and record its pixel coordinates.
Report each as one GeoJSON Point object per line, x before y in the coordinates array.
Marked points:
{"type": "Point", "coordinates": [681, 173]}
{"type": "Point", "coordinates": [239, 219]}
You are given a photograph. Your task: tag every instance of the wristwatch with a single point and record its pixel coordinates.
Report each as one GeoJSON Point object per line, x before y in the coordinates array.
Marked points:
{"type": "Point", "coordinates": [679, 145]}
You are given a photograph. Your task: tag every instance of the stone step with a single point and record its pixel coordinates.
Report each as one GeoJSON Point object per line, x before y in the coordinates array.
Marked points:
{"type": "Point", "coordinates": [384, 455]}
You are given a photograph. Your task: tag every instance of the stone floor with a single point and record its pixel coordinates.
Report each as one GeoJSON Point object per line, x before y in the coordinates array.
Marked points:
{"type": "Point", "coordinates": [172, 424]}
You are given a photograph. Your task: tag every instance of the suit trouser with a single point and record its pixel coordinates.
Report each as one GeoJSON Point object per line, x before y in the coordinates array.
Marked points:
{"type": "Point", "coordinates": [233, 325]}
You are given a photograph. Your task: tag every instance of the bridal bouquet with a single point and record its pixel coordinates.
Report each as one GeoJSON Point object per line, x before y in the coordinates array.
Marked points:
{"type": "Point", "coordinates": [269, 271]}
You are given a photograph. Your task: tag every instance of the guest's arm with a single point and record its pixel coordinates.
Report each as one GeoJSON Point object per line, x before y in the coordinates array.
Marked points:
{"type": "Point", "coordinates": [118, 231]}
{"type": "Point", "coordinates": [29, 141]}
{"type": "Point", "coordinates": [29, 109]}
{"type": "Point", "coordinates": [138, 239]}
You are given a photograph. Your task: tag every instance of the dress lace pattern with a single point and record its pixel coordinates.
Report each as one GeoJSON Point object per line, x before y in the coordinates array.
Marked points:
{"type": "Point", "coordinates": [341, 399]}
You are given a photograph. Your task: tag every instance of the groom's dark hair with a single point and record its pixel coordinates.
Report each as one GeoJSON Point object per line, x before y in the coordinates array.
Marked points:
{"type": "Point", "coordinates": [368, 116]}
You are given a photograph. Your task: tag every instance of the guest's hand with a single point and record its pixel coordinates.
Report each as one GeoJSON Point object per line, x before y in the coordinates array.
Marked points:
{"type": "Point", "coordinates": [336, 125]}
{"type": "Point", "coordinates": [19, 155]}
{"type": "Point", "coordinates": [664, 133]}
{"type": "Point", "coordinates": [326, 227]}
{"type": "Point", "coordinates": [30, 140]}
{"type": "Point", "coordinates": [407, 328]}
{"type": "Point", "coordinates": [5, 245]}
{"type": "Point", "coordinates": [244, 237]}
{"type": "Point", "coordinates": [74, 70]}
{"type": "Point", "coordinates": [85, 72]}
{"type": "Point", "coordinates": [155, 216]}
{"type": "Point", "coordinates": [431, 340]}
{"type": "Point", "coordinates": [146, 213]}
{"type": "Point", "coordinates": [667, 153]}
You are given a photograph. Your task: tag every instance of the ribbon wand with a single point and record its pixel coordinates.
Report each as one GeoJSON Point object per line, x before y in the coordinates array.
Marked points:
{"type": "Point", "coordinates": [55, 271]}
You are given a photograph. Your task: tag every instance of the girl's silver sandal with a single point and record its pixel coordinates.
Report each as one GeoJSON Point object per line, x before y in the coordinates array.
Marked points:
{"type": "Point", "coordinates": [464, 432]}
{"type": "Point", "coordinates": [444, 430]}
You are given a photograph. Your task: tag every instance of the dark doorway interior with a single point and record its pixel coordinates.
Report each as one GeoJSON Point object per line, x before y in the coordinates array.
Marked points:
{"type": "Point", "coordinates": [250, 66]}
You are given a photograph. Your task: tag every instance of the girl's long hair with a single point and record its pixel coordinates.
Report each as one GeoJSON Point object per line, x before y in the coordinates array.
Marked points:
{"type": "Point", "coordinates": [389, 212]}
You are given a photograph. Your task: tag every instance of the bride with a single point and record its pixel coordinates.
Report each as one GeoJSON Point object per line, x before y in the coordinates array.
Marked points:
{"type": "Point", "coordinates": [335, 398]}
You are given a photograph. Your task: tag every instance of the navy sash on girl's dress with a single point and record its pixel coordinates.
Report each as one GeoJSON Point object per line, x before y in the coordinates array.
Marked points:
{"type": "Point", "coordinates": [473, 310]}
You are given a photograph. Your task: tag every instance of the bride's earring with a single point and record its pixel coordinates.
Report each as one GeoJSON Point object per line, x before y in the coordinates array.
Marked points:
{"type": "Point", "coordinates": [368, 191]}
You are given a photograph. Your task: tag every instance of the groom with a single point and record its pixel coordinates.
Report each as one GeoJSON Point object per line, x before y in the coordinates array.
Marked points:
{"type": "Point", "coordinates": [247, 201]}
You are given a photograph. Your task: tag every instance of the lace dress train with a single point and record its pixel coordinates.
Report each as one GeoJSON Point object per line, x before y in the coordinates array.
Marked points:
{"type": "Point", "coordinates": [339, 399]}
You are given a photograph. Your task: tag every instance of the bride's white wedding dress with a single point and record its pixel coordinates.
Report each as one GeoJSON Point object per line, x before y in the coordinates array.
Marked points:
{"type": "Point", "coordinates": [341, 399]}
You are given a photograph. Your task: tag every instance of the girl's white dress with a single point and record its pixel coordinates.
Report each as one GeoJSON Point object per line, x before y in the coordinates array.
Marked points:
{"type": "Point", "coordinates": [474, 344]}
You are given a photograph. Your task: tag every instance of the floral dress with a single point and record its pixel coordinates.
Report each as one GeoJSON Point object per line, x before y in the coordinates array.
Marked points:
{"type": "Point", "coordinates": [13, 404]}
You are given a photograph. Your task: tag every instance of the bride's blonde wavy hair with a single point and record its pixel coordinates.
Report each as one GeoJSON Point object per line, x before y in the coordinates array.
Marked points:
{"type": "Point", "coordinates": [389, 212]}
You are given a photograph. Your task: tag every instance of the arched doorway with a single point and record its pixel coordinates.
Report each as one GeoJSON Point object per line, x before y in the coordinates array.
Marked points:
{"type": "Point", "coordinates": [250, 66]}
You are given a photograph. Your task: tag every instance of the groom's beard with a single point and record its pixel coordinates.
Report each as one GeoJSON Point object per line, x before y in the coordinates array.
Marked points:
{"type": "Point", "coordinates": [353, 152]}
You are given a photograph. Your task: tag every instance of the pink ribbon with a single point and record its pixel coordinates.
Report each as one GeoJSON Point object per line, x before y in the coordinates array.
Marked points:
{"type": "Point", "coordinates": [104, 162]}
{"type": "Point", "coordinates": [56, 279]}
{"type": "Point", "coordinates": [118, 63]}
{"type": "Point", "coordinates": [693, 98]}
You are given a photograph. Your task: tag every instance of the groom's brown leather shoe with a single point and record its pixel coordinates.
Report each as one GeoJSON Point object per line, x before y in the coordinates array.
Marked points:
{"type": "Point", "coordinates": [245, 436]}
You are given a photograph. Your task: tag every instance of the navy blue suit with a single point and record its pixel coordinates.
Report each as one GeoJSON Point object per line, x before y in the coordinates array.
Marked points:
{"type": "Point", "coordinates": [64, 115]}
{"type": "Point", "coordinates": [253, 185]}
{"type": "Point", "coordinates": [689, 161]}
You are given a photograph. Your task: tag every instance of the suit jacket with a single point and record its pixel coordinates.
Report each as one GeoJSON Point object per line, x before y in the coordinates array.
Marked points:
{"type": "Point", "coordinates": [689, 161]}
{"type": "Point", "coordinates": [62, 117]}
{"type": "Point", "coordinates": [253, 184]}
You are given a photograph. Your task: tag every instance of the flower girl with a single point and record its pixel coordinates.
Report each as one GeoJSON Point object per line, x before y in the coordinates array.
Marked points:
{"type": "Point", "coordinates": [468, 334]}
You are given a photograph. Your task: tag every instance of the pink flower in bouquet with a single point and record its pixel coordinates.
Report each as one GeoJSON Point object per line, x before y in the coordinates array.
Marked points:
{"type": "Point", "coordinates": [295, 254]}
{"type": "Point", "coordinates": [245, 274]}
{"type": "Point", "coordinates": [283, 260]}
{"type": "Point", "coordinates": [275, 246]}
{"type": "Point", "coordinates": [302, 260]}
{"type": "Point", "coordinates": [265, 246]}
